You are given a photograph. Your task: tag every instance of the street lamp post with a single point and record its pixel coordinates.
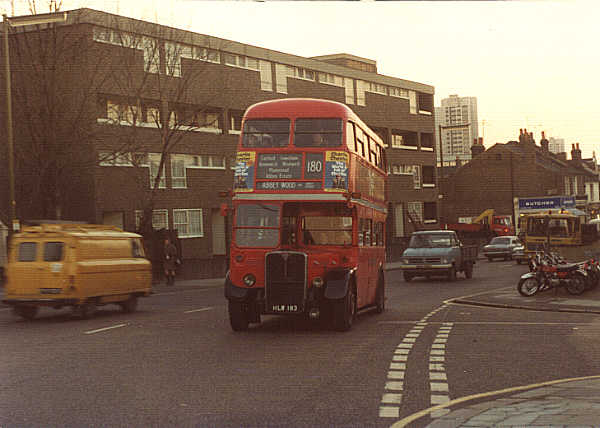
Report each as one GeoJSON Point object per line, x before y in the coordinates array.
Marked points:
{"type": "Point", "coordinates": [18, 21]}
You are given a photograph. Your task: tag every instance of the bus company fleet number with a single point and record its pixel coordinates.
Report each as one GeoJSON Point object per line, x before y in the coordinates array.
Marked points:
{"type": "Point", "coordinates": [285, 308]}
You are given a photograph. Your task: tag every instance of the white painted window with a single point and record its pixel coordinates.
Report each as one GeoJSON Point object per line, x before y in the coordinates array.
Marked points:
{"type": "Point", "coordinates": [415, 210]}
{"type": "Point", "coordinates": [377, 88]}
{"type": "Point", "coordinates": [398, 92]}
{"type": "Point", "coordinates": [331, 79]}
{"type": "Point", "coordinates": [281, 75]}
{"type": "Point", "coordinates": [361, 87]}
{"type": "Point", "coordinates": [114, 159]}
{"type": "Point", "coordinates": [412, 98]}
{"type": "Point", "coordinates": [178, 177]}
{"type": "Point", "coordinates": [188, 223]}
{"type": "Point", "coordinates": [154, 162]}
{"type": "Point", "coordinates": [266, 76]}
{"type": "Point", "coordinates": [206, 54]}
{"type": "Point", "coordinates": [160, 219]}
{"type": "Point", "coordinates": [349, 89]}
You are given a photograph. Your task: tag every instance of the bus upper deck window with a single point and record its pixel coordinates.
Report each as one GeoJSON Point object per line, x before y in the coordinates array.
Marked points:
{"type": "Point", "coordinates": [318, 132]}
{"type": "Point", "coordinates": [266, 133]}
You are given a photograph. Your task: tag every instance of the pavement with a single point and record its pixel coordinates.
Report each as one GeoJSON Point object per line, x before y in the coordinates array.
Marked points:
{"type": "Point", "coordinates": [560, 403]}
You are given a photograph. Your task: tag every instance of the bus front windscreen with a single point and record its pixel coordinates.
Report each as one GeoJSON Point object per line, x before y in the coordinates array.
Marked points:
{"type": "Point", "coordinates": [266, 133]}
{"type": "Point", "coordinates": [318, 132]}
{"type": "Point", "coordinates": [321, 230]}
{"type": "Point", "coordinates": [257, 225]}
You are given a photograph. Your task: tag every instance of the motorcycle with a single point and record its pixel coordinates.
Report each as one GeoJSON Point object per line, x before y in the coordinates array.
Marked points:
{"type": "Point", "coordinates": [547, 271]}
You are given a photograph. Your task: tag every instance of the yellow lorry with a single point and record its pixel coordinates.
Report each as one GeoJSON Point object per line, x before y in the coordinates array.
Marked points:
{"type": "Point", "coordinates": [561, 232]}
{"type": "Point", "coordinates": [78, 265]}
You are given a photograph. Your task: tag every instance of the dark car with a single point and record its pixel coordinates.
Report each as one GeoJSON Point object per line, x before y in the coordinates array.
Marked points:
{"type": "Point", "coordinates": [501, 247]}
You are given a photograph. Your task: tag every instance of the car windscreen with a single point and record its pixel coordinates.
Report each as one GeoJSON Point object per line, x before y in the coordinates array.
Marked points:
{"type": "Point", "coordinates": [53, 251]}
{"type": "Point", "coordinates": [500, 241]}
{"type": "Point", "coordinates": [430, 241]}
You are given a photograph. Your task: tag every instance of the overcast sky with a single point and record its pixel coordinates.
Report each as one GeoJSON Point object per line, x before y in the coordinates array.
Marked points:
{"type": "Point", "coordinates": [531, 64]}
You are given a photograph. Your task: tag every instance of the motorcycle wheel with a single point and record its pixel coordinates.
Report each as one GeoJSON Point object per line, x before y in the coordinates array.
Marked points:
{"type": "Point", "coordinates": [528, 286]}
{"type": "Point", "coordinates": [576, 285]}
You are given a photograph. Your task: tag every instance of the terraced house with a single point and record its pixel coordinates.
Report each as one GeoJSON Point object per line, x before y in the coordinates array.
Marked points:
{"type": "Point", "coordinates": [120, 121]}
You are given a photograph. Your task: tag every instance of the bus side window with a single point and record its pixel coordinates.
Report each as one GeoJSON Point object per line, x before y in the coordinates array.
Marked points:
{"type": "Point", "coordinates": [350, 140]}
{"type": "Point", "coordinates": [360, 232]}
{"type": "Point", "coordinates": [360, 142]}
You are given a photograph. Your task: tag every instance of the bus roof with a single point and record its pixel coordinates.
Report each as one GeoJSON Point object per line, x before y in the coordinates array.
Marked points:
{"type": "Point", "coordinates": [304, 107]}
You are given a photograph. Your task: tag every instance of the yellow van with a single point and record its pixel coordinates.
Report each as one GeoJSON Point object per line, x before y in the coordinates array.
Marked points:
{"type": "Point", "coordinates": [77, 265]}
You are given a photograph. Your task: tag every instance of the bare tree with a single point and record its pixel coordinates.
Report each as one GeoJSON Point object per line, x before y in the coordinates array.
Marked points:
{"type": "Point", "coordinates": [168, 81]}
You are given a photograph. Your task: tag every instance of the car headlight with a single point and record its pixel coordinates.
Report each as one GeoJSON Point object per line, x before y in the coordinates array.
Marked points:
{"type": "Point", "coordinates": [249, 280]}
{"type": "Point", "coordinates": [405, 261]}
{"type": "Point", "coordinates": [444, 260]}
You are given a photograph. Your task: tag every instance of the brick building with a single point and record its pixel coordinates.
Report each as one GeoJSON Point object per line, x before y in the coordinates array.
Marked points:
{"type": "Point", "coordinates": [101, 100]}
{"type": "Point", "coordinates": [517, 169]}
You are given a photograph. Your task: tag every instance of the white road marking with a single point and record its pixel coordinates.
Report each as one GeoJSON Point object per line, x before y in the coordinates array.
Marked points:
{"type": "Point", "coordinates": [398, 366]}
{"type": "Point", "coordinates": [198, 310]}
{"type": "Point", "coordinates": [438, 376]}
{"type": "Point", "coordinates": [105, 328]}
{"type": "Point", "coordinates": [5, 309]}
{"type": "Point", "coordinates": [393, 374]}
{"type": "Point", "coordinates": [399, 357]}
{"type": "Point", "coordinates": [391, 398]}
{"type": "Point", "coordinates": [438, 386]}
{"type": "Point", "coordinates": [389, 412]}
{"type": "Point", "coordinates": [394, 386]}
{"type": "Point", "coordinates": [436, 367]}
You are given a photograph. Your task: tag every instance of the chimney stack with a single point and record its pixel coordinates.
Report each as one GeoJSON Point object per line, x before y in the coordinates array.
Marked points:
{"type": "Point", "coordinates": [477, 147]}
{"type": "Point", "coordinates": [545, 143]}
{"type": "Point", "coordinates": [575, 152]}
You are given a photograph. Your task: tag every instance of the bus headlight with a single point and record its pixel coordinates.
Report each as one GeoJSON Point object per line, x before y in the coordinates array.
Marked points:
{"type": "Point", "coordinates": [317, 282]}
{"type": "Point", "coordinates": [249, 280]}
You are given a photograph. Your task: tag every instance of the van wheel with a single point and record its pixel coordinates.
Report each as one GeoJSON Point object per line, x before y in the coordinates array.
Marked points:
{"type": "Point", "coordinates": [87, 309]}
{"type": "Point", "coordinates": [26, 312]}
{"type": "Point", "coordinates": [452, 274]}
{"type": "Point", "coordinates": [129, 305]}
{"type": "Point", "coordinates": [469, 270]}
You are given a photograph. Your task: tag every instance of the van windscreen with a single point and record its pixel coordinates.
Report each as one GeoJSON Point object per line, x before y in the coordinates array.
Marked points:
{"type": "Point", "coordinates": [27, 251]}
{"type": "Point", "coordinates": [53, 251]}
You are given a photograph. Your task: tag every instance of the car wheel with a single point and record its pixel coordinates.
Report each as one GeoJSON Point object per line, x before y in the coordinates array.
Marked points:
{"type": "Point", "coordinates": [490, 259]}
{"type": "Point", "coordinates": [26, 312]}
{"type": "Point", "coordinates": [129, 305]}
{"type": "Point", "coordinates": [452, 274]}
{"type": "Point", "coordinates": [407, 277]}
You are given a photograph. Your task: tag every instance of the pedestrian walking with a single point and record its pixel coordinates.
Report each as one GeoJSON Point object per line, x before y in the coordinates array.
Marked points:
{"type": "Point", "coordinates": [170, 261]}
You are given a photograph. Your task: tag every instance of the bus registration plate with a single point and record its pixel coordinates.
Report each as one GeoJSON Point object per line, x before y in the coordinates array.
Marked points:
{"type": "Point", "coordinates": [285, 308]}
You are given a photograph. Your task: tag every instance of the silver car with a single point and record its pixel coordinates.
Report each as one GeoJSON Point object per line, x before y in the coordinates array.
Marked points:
{"type": "Point", "coordinates": [501, 247]}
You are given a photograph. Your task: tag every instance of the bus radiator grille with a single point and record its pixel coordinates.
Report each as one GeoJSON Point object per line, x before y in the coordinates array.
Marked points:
{"type": "Point", "coordinates": [286, 281]}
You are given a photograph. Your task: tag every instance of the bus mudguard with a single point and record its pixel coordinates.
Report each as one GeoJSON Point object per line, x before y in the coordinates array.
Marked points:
{"type": "Point", "coordinates": [234, 293]}
{"type": "Point", "coordinates": [337, 283]}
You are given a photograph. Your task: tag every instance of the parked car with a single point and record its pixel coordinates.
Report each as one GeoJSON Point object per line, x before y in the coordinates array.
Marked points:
{"type": "Point", "coordinates": [501, 247]}
{"type": "Point", "coordinates": [518, 254]}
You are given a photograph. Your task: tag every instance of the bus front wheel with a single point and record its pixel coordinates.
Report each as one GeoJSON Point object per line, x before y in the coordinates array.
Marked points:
{"type": "Point", "coordinates": [345, 310]}
{"type": "Point", "coordinates": [238, 316]}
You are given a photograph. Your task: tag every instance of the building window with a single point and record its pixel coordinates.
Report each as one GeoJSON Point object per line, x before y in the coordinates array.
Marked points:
{"type": "Point", "coordinates": [205, 54]}
{"type": "Point", "coordinates": [235, 121]}
{"type": "Point", "coordinates": [281, 74]}
{"type": "Point", "coordinates": [331, 79]}
{"type": "Point", "coordinates": [349, 90]}
{"type": "Point", "coordinates": [114, 159]}
{"type": "Point", "coordinates": [398, 92]}
{"type": "Point", "coordinates": [361, 87]}
{"type": "Point", "coordinates": [404, 140]}
{"type": "Point", "coordinates": [415, 209]}
{"type": "Point", "coordinates": [430, 212]}
{"type": "Point", "coordinates": [412, 98]}
{"type": "Point", "coordinates": [427, 141]}
{"type": "Point", "coordinates": [428, 173]}
{"type": "Point", "coordinates": [266, 77]}
{"type": "Point", "coordinates": [154, 162]}
{"type": "Point", "coordinates": [178, 177]}
{"type": "Point", "coordinates": [188, 223]}
{"type": "Point", "coordinates": [300, 73]}
{"type": "Point", "coordinates": [205, 161]}
{"type": "Point", "coordinates": [240, 61]}
{"type": "Point", "coordinates": [160, 219]}
{"type": "Point", "coordinates": [123, 113]}
{"type": "Point", "coordinates": [377, 88]}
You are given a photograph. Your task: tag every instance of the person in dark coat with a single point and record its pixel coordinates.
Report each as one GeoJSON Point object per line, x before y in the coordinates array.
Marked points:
{"type": "Point", "coordinates": [170, 261]}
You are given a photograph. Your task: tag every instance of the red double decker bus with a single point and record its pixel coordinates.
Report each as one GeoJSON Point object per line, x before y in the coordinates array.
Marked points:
{"type": "Point", "coordinates": [309, 210]}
